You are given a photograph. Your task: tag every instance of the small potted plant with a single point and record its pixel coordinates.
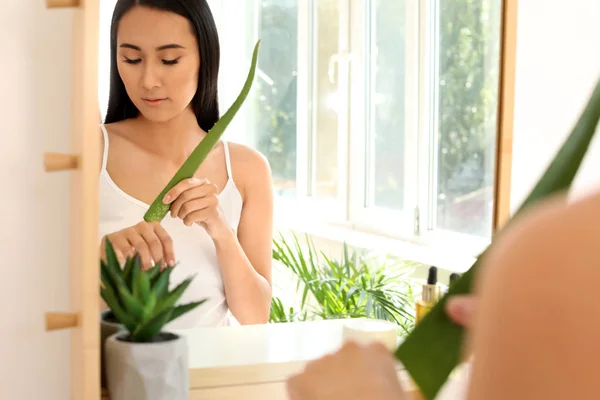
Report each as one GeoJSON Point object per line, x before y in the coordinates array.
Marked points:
{"type": "Point", "coordinates": [143, 362]}
{"type": "Point", "coordinates": [109, 324]}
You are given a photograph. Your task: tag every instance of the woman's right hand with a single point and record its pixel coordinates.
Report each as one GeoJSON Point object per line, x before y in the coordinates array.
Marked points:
{"type": "Point", "coordinates": [149, 239]}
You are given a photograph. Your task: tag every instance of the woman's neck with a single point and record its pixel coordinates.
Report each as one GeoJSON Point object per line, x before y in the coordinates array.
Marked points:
{"type": "Point", "coordinates": [174, 139]}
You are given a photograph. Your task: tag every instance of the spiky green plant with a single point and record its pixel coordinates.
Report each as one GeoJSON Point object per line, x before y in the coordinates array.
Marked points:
{"type": "Point", "coordinates": [140, 299]}
{"type": "Point", "coordinates": [158, 210]}
{"type": "Point", "coordinates": [433, 348]}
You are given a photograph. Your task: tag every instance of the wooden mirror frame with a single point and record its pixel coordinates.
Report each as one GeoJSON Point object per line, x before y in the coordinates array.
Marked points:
{"type": "Point", "coordinates": [504, 136]}
{"type": "Point", "coordinates": [83, 163]}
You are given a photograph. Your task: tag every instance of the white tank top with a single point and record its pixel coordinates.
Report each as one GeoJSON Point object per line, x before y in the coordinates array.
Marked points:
{"type": "Point", "coordinates": [194, 249]}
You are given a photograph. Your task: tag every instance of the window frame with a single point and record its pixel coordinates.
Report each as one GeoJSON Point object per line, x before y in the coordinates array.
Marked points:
{"type": "Point", "coordinates": [415, 224]}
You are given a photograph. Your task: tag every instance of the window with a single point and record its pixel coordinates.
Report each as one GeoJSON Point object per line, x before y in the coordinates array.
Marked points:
{"type": "Point", "coordinates": [380, 115]}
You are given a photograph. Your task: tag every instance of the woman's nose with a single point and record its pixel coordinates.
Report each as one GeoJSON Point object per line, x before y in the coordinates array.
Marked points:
{"type": "Point", "coordinates": [150, 77]}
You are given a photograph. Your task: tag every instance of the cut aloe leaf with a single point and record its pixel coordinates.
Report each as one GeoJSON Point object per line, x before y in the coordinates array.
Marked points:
{"type": "Point", "coordinates": [158, 210]}
{"type": "Point", "coordinates": [433, 349]}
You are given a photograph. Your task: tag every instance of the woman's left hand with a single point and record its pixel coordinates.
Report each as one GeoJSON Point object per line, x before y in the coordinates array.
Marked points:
{"type": "Point", "coordinates": [195, 201]}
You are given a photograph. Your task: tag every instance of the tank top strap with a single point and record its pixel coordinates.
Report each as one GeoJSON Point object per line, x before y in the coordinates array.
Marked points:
{"type": "Point", "coordinates": [105, 151]}
{"type": "Point", "coordinates": [227, 159]}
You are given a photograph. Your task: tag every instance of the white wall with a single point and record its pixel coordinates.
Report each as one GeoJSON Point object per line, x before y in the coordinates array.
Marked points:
{"type": "Point", "coordinates": [558, 64]}
{"type": "Point", "coordinates": [35, 115]}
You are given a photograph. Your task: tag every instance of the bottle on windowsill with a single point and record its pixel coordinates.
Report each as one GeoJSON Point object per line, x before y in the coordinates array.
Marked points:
{"type": "Point", "coordinates": [430, 295]}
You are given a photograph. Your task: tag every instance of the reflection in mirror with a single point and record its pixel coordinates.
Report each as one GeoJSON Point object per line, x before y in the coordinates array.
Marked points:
{"type": "Point", "coordinates": [369, 122]}
{"type": "Point", "coordinates": [375, 115]}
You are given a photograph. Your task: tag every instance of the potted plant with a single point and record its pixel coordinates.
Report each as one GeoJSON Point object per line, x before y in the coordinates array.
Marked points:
{"type": "Point", "coordinates": [142, 361]}
{"type": "Point", "coordinates": [359, 284]}
{"type": "Point", "coordinates": [109, 324]}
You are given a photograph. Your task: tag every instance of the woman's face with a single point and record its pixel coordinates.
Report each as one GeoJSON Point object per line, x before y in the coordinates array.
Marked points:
{"type": "Point", "coordinates": [158, 61]}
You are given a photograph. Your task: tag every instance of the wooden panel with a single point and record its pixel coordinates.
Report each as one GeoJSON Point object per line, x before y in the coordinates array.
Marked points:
{"type": "Point", "coordinates": [508, 54]}
{"type": "Point", "coordinates": [85, 142]}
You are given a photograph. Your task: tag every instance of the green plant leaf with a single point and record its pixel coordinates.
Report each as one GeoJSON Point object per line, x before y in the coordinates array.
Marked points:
{"type": "Point", "coordinates": [131, 305]}
{"type": "Point", "coordinates": [105, 276]}
{"type": "Point", "coordinates": [432, 350]}
{"type": "Point", "coordinates": [158, 210]}
{"type": "Point", "coordinates": [154, 273]}
{"type": "Point", "coordinates": [111, 257]}
{"type": "Point", "coordinates": [141, 286]}
{"type": "Point", "coordinates": [145, 332]}
{"type": "Point", "coordinates": [110, 299]}
{"type": "Point", "coordinates": [170, 299]}
{"type": "Point", "coordinates": [183, 308]}
{"type": "Point", "coordinates": [161, 285]}
{"type": "Point", "coordinates": [127, 271]}
{"type": "Point", "coordinates": [149, 307]}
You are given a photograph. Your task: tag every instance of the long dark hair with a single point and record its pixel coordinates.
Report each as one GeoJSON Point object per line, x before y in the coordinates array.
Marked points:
{"type": "Point", "coordinates": [205, 102]}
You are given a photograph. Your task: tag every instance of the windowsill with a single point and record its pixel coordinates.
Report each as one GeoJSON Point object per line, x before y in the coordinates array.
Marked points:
{"type": "Point", "coordinates": [326, 235]}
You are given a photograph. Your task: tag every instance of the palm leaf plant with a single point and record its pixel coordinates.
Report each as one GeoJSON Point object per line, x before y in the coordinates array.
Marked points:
{"type": "Point", "coordinates": [356, 286]}
{"type": "Point", "coordinates": [140, 299]}
{"type": "Point", "coordinates": [432, 350]}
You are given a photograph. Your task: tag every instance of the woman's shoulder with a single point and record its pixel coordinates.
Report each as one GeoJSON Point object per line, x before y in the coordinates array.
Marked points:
{"type": "Point", "coordinates": [120, 129]}
{"type": "Point", "coordinates": [554, 227]}
{"type": "Point", "coordinates": [247, 159]}
{"type": "Point", "coordinates": [250, 167]}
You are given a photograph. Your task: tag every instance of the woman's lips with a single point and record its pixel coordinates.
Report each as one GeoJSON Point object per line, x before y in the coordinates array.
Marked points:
{"type": "Point", "coordinates": [154, 102]}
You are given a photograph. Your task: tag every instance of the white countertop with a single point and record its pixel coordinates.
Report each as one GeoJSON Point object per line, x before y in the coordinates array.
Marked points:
{"type": "Point", "coordinates": [254, 356]}
{"type": "Point", "coordinates": [258, 344]}
{"type": "Point", "coordinates": [258, 353]}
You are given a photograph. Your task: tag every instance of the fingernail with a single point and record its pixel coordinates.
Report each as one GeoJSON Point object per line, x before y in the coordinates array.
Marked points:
{"type": "Point", "coordinates": [166, 199]}
{"type": "Point", "coordinates": [171, 263]}
{"type": "Point", "coordinates": [192, 180]}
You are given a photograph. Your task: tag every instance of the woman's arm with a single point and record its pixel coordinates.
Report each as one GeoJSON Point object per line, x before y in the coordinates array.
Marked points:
{"type": "Point", "coordinates": [246, 259]}
{"type": "Point", "coordinates": [537, 326]}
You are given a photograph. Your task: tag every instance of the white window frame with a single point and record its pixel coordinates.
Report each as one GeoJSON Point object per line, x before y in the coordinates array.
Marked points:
{"type": "Point", "coordinates": [416, 223]}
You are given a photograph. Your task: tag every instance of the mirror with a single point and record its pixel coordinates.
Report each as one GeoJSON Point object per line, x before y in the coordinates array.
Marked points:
{"type": "Point", "coordinates": [379, 121]}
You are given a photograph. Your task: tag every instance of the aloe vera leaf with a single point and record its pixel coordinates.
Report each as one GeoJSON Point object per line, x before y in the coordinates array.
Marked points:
{"type": "Point", "coordinates": [158, 210]}
{"type": "Point", "coordinates": [111, 300]}
{"type": "Point", "coordinates": [162, 283]}
{"type": "Point", "coordinates": [133, 307]}
{"type": "Point", "coordinates": [432, 350]}
{"type": "Point", "coordinates": [171, 297]}
{"type": "Point", "coordinates": [141, 287]}
{"type": "Point", "coordinates": [149, 307]}
{"type": "Point", "coordinates": [145, 332]}
{"type": "Point", "coordinates": [111, 258]}
{"type": "Point", "coordinates": [182, 309]}
{"type": "Point", "coordinates": [153, 273]}
{"type": "Point", "coordinates": [127, 269]}
{"type": "Point", "coordinates": [105, 276]}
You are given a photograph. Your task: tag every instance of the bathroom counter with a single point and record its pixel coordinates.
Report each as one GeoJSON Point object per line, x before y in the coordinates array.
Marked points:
{"type": "Point", "coordinates": [254, 361]}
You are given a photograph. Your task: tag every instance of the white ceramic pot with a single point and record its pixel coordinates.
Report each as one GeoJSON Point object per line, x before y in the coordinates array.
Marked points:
{"type": "Point", "coordinates": [147, 371]}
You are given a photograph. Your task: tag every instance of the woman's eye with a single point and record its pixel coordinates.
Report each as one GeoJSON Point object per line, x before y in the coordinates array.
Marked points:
{"type": "Point", "coordinates": [129, 61]}
{"type": "Point", "coordinates": [170, 62]}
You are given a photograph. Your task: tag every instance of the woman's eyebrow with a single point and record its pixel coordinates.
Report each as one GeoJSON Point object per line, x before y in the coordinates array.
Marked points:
{"type": "Point", "coordinates": [159, 48]}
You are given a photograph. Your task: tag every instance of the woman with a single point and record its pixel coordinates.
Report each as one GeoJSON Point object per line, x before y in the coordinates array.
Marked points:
{"type": "Point", "coordinates": [163, 100]}
{"type": "Point", "coordinates": [536, 327]}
